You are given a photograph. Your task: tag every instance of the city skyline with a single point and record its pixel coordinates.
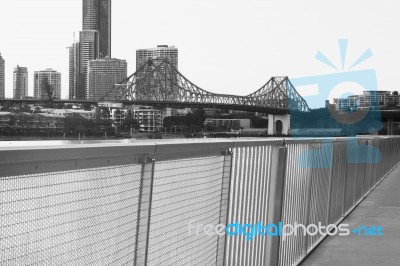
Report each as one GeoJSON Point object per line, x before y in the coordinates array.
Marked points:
{"type": "Point", "coordinates": [221, 50]}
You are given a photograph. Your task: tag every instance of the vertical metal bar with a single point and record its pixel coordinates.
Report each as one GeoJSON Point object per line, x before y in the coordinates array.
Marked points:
{"type": "Point", "coordinates": [235, 250]}
{"type": "Point", "coordinates": [241, 240]}
{"type": "Point", "coordinates": [225, 205]}
{"type": "Point", "coordinates": [266, 177]}
{"type": "Point", "coordinates": [375, 171]}
{"type": "Point", "coordinates": [250, 216]}
{"type": "Point", "coordinates": [346, 178]}
{"type": "Point", "coordinates": [259, 206]}
{"type": "Point", "coordinates": [232, 202]}
{"type": "Point", "coordinates": [144, 214]}
{"type": "Point", "coordinates": [368, 167]}
{"type": "Point", "coordinates": [308, 187]}
{"type": "Point", "coordinates": [330, 190]}
{"type": "Point", "coordinates": [275, 203]}
{"type": "Point", "coordinates": [365, 157]}
{"type": "Point", "coordinates": [357, 161]}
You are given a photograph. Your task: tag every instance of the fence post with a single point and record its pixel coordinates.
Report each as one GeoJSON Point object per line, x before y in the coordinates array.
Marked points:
{"type": "Point", "coordinates": [275, 201]}
{"type": "Point", "coordinates": [144, 213]}
{"type": "Point", "coordinates": [346, 164]}
{"type": "Point", "coordinates": [330, 186]}
{"type": "Point", "coordinates": [224, 209]}
{"type": "Point", "coordinates": [368, 167]}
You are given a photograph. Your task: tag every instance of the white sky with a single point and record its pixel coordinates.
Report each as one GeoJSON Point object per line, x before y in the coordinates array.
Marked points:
{"type": "Point", "coordinates": [225, 46]}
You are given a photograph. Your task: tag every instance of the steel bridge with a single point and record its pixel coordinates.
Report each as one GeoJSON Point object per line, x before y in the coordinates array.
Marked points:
{"type": "Point", "coordinates": [159, 83]}
{"type": "Point", "coordinates": [129, 202]}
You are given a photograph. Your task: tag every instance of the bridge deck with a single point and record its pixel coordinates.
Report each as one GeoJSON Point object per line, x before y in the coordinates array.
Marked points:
{"type": "Point", "coordinates": [380, 207]}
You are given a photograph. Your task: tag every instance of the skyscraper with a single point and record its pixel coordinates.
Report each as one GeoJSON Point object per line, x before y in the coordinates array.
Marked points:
{"type": "Point", "coordinates": [97, 16]}
{"type": "Point", "coordinates": [94, 42]}
{"type": "Point", "coordinates": [103, 74]}
{"type": "Point", "coordinates": [89, 50]}
{"type": "Point", "coordinates": [89, 40]}
{"type": "Point", "coordinates": [53, 78]}
{"type": "Point", "coordinates": [2, 78]}
{"type": "Point", "coordinates": [75, 91]}
{"type": "Point", "coordinates": [82, 50]}
{"type": "Point", "coordinates": [20, 82]}
{"type": "Point", "coordinates": [161, 51]}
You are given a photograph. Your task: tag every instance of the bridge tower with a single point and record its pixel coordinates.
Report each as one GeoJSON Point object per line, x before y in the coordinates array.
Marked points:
{"type": "Point", "coordinates": [278, 124]}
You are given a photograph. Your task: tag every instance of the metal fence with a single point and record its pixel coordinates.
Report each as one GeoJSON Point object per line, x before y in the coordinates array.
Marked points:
{"type": "Point", "coordinates": [132, 203]}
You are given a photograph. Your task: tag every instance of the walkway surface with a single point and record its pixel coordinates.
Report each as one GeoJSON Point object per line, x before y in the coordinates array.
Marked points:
{"type": "Point", "coordinates": [380, 207]}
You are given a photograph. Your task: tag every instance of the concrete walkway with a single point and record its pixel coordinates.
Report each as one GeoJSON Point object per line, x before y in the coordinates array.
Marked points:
{"type": "Point", "coordinates": [380, 207]}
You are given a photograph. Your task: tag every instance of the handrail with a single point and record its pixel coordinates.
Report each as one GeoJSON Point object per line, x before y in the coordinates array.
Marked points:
{"type": "Point", "coordinates": [134, 200]}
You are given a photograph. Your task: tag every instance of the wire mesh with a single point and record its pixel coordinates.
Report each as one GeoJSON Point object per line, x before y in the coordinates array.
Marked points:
{"type": "Point", "coordinates": [70, 218]}
{"type": "Point", "coordinates": [184, 191]}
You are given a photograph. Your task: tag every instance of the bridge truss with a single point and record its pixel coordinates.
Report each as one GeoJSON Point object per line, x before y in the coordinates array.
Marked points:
{"type": "Point", "coordinates": [159, 83]}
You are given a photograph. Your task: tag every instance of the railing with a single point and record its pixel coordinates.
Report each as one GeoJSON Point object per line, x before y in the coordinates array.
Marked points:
{"type": "Point", "coordinates": [127, 202]}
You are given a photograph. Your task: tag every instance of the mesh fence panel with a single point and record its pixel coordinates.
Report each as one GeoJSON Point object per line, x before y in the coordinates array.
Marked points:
{"type": "Point", "coordinates": [78, 217]}
{"type": "Point", "coordinates": [183, 191]}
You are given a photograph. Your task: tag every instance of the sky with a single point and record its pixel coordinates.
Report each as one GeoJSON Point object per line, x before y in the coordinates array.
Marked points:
{"type": "Point", "coordinates": [231, 47]}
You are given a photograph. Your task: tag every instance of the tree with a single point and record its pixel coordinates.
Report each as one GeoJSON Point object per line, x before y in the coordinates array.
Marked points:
{"type": "Point", "coordinates": [196, 119]}
{"type": "Point", "coordinates": [130, 122]}
{"type": "Point", "coordinates": [259, 122]}
{"type": "Point", "coordinates": [8, 131]}
{"type": "Point", "coordinates": [395, 93]}
{"type": "Point", "coordinates": [47, 90]}
{"type": "Point", "coordinates": [172, 121]}
{"type": "Point", "coordinates": [12, 120]}
{"type": "Point", "coordinates": [86, 106]}
{"type": "Point", "coordinates": [77, 124]}
{"type": "Point", "coordinates": [24, 107]}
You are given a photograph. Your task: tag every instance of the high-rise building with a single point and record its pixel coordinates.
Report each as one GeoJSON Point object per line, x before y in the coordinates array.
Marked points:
{"type": "Point", "coordinates": [82, 50]}
{"type": "Point", "coordinates": [97, 16]}
{"type": "Point", "coordinates": [2, 78]}
{"type": "Point", "coordinates": [103, 74]}
{"type": "Point", "coordinates": [89, 50]}
{"type": "Point", "coordinates": [54, 80]}
{"type": "Point", "coordinates": [20, 82]}
{"type": "Point", "coordinates": [75, 90]}
{"type": "Point", "coordinates": [161, 51]}
{"type": "Point", "coordinates": [94, 42]}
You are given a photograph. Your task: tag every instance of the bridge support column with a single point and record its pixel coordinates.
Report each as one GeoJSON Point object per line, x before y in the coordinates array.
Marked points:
{"type": "Point", "coordinates": [278, 124]}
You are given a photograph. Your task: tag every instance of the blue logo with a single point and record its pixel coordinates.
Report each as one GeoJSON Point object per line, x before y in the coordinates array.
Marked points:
{"type": "Point", "coordinates": [360, 115]}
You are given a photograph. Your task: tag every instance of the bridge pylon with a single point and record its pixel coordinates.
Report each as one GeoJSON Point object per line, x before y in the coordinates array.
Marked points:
{"type": "Point", "coordinates": [278, 124]}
